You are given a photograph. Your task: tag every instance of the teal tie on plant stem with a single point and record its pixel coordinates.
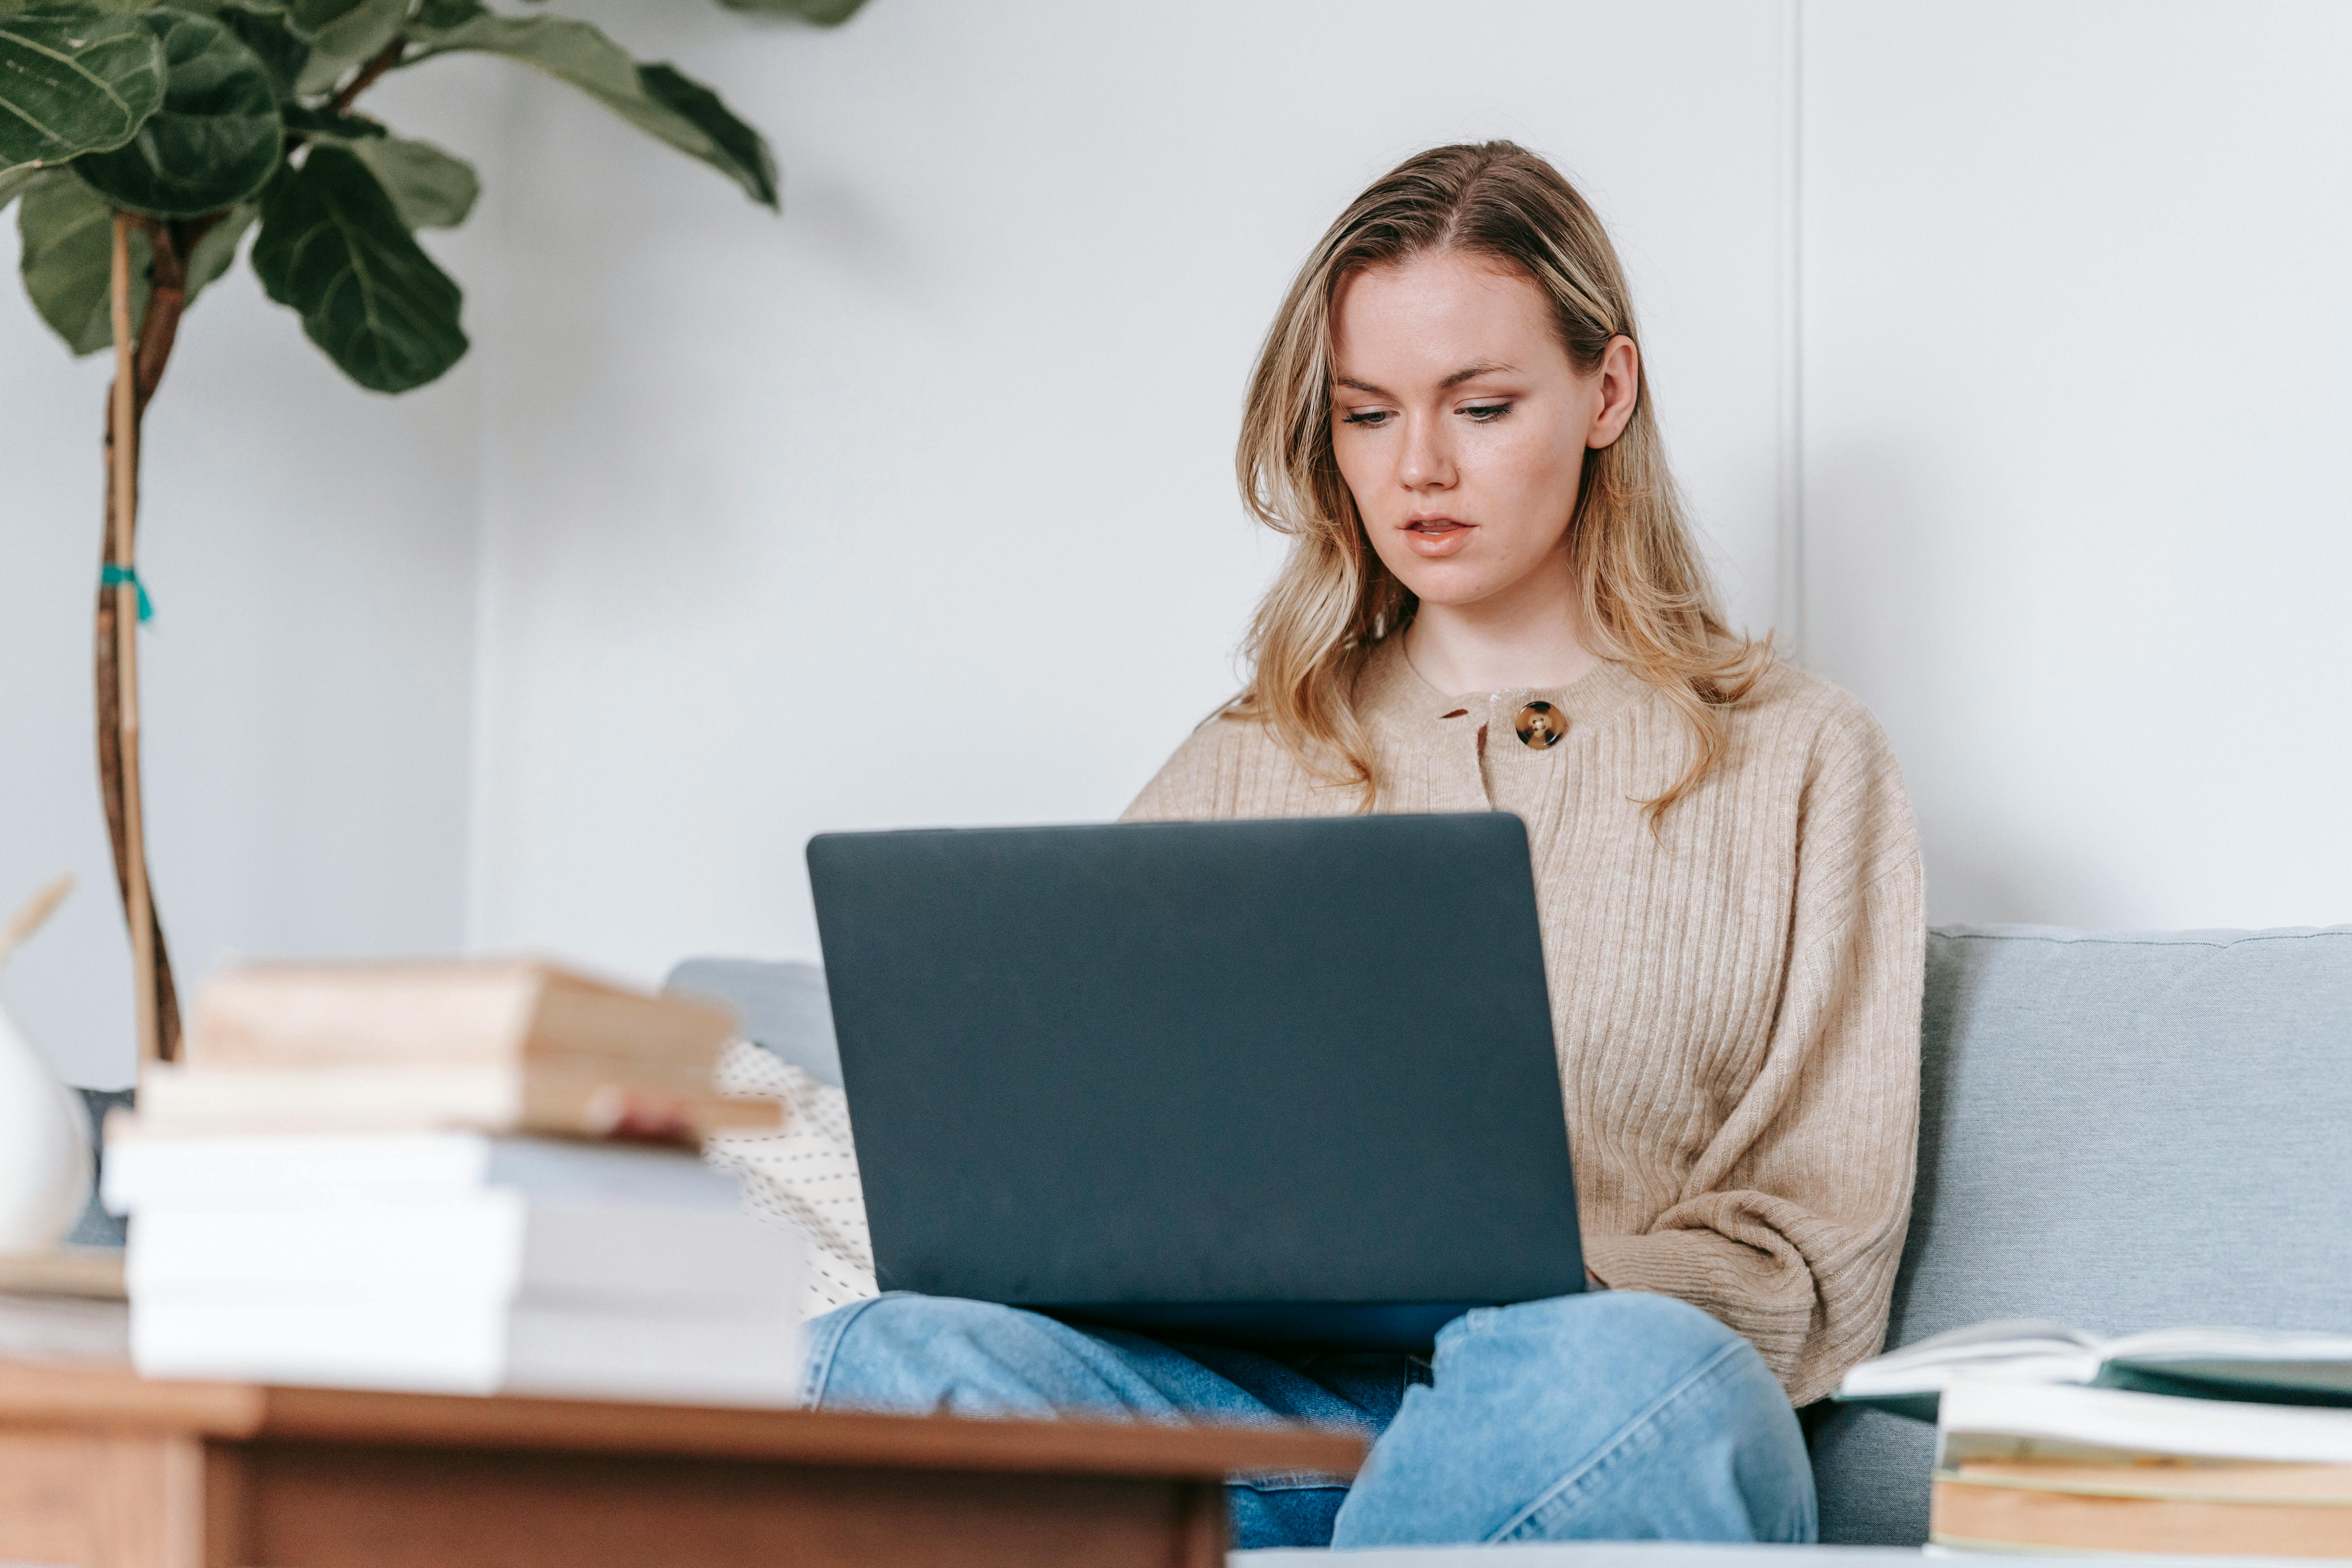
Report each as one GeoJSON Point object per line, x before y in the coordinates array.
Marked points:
{"type": "Point", "coordinates": [113, 575]}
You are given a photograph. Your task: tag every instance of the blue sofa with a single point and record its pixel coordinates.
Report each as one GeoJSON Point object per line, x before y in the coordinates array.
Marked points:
{"type": "Point", "coordinates": [2120, 1131]}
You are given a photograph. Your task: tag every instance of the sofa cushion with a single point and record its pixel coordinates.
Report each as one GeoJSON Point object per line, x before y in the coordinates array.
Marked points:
{"type": "Point", "coordinates": [2120, 1131]}
{"type": "Point", "coordinates": [781, 1005]}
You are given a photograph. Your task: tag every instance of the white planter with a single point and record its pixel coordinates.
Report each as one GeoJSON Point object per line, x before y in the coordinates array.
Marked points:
{"type": "Point", "coordinates": [44, 1159]}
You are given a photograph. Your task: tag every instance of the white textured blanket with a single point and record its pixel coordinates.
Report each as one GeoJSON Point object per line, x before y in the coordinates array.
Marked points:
{"type": "Point", "coordinates": [804, 1176]}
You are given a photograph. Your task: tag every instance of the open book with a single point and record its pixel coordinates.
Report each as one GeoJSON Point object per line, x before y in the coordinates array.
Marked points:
{"type": "Point", "coordinates": [2253, 1365]}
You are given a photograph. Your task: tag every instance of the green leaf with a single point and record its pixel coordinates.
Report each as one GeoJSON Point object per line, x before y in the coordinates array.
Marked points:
{"type": "Point", "coordinates": [309, 18]}
{"type": "Point", "coordinates": [429, 188]}
{"type": "Point", "coordinates": [216, 252]}
{"type": "Point", "coordinates": [574, 51]}
{"type": "Point", "coordinates": [67, 262]}
{"type": "Point", "coordinates": [440, 15]}
{"type": "Point", "coordinates": [333, 247]}
{"type": "Point", "coordinates": [14, 181]}
{"type": "Point", "coordinates": [74, 80]}
{"type": "Point", "coordinates": [824, 12]}
{"type": "Point", "coordinates": [215, 140]}
{"type": "Point", "coordinates": [348, 31]}
{"type": "Point", "coordinates": [737, 150]}
{"type": "Point", "coordinates": [347, 40]}
{"type": "Point", "coordinates": [687, 116]}
{"type": "Point", "coordinates": [267, 35]}
{"type": "Point", "coordinates": [325, 122]}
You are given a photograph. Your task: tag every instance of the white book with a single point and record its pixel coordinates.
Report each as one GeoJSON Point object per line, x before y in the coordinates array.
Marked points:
{"type": "Point", "coordinates": [568, 1099]}
{"type": "Point", "coordinates": [495, 1245]}
{"type": "Point", "coordinates": [148, 1173]}
{"type": "Point", "coordinates": [1989, 1418]}
{"type": "Point", "coordinates": [2216, 1364]}
{"type": "Point", "coordinates": [446, 1345]}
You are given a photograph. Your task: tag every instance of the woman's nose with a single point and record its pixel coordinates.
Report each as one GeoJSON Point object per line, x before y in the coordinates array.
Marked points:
{"type": "Point", "coordinates": [1427, 460]}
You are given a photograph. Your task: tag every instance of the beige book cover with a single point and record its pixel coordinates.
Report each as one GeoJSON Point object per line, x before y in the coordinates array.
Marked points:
{"type": "Point", "coordinates": [314, 1014]}
{"type": "Point", "coordinates": [2157, 1506]}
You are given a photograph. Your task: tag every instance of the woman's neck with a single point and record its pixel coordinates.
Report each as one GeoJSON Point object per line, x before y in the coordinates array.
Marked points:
{"type": "Point", "coordinates": [1531, 635]}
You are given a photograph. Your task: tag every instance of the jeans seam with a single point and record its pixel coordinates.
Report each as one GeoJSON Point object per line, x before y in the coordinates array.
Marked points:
{"type": "Point", "coordinates": [1290, 1481]}
{"type": "Point", "coordinates": [816, 1369]}
{"type": "Point", "coordinates": [1643, 1420]}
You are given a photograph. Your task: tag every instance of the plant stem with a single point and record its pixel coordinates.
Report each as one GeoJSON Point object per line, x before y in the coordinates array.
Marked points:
{"type": "Point", "coordinates": [138, 906]}
{"type": "Point", "coordinates": [382, 61]}
{"type": "Point", "coordinates": [118, 607]}
{"type": "Point", "coordinates": [167, 297]}
{"type": "Point", "coordinates": [139, 371]}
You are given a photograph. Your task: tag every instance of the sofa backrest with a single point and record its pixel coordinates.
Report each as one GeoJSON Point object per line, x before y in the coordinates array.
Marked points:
{"type": "Point", "coordinates": [2120, 1131]}
{"type": "Point", "coordinates": [781, 1005]}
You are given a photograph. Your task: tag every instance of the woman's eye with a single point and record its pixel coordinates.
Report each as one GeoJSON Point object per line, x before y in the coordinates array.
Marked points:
{"type": "Point", "coordinates": [1487, 412]}
{"type": "Point", "coordinates": [1372, 418]}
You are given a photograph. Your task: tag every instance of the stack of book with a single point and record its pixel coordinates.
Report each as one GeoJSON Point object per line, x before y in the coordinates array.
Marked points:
{"type": "Point", "coordinates": [2189, 1442]}
{"type": "Point", "coordinates": [64, 1305]}
{"type": "Point", "coordinates": [495, 1047]}
{"type": "Point", "coordinates": [462, 1178]}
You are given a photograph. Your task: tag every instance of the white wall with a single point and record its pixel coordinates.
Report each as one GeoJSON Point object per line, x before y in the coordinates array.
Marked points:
{"type": "Point", "coordinates": [307, 681]}
{"type": "Point", "coordinates": [2078, 368]}
{"type": "Point", "coordinates": [916, 506]}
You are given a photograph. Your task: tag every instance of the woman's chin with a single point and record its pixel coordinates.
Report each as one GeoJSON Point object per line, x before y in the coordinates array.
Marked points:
{"type": "Point", "coordinates": [1448, 583]}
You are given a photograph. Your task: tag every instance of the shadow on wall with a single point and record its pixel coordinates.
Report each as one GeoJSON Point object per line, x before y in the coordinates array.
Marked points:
{"type": "Point", "coordinates": [1983, 871]}
{"type": "Point", "coordinates": [97, 1228]}
{"type": "Point", "coordinates": [838, 223]}
{"type": "Point", "coordinates": [1893, 545]}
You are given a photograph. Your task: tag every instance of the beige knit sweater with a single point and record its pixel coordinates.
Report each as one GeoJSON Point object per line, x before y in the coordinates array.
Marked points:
{"type": "Point", "coordinates": [1735, 1001]}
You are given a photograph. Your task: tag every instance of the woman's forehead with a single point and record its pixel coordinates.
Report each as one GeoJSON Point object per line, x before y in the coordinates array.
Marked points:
{"type": "Point", "coordinates": [1435, 316]}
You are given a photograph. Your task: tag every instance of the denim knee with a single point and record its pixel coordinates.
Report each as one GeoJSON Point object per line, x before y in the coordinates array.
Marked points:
{"type": "Point", "coordinates": [1608, 1416]}
{"type": "Point", "coordinates": [944, 1355]}
{"type": "Point", "coordinates": [921, 1353]}
{"type": "Point", "coordinates": [1707, 1446]}
{"type": "Point", "coordinates": [1598, 1323]}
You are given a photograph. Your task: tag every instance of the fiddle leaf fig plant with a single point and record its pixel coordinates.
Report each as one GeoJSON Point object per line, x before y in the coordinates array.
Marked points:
{"type": "Point", "coordinates": [141, 140]}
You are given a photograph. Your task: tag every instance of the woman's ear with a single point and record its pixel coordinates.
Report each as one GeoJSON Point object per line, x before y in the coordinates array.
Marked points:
{"type": "Point", "coordinates": [1621, 386]}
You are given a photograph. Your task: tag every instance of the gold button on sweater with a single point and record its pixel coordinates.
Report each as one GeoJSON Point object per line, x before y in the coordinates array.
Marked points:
{"type": "Point", "coordinates": [1735, 999]}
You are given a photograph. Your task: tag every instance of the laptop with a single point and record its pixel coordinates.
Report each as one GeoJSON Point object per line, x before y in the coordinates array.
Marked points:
{"type": "Point", "coordinates": [1273, 1082]}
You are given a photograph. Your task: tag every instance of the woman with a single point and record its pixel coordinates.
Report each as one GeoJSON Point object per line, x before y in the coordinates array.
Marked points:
{"type": "Point", "coordinates": [1493, 601]}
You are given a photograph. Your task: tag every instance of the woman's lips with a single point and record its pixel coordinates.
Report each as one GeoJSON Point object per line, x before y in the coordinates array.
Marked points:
{"type": "Point", "coordinates": [1433, 537]}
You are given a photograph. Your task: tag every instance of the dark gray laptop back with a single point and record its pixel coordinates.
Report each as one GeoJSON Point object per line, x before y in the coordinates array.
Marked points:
{"type": "Point", "coordinates": [1278, 1080]}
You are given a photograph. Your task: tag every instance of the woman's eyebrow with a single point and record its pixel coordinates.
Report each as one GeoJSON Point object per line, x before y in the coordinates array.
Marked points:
{"type": "Point", "coordinates": [1467, 372]}
{"type": "Point", "coordinates": [1471, 372]}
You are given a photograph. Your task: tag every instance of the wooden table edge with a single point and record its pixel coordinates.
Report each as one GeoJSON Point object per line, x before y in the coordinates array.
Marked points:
{"type": "Point", "coordinates": [89, 1396]}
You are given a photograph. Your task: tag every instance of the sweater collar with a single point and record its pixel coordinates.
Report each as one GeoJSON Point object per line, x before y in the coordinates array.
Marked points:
{"type": "Point", "coordinates": [1391, 693]}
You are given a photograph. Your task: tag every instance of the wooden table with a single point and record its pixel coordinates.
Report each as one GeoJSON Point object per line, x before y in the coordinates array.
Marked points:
{"type": "Point", "coordinates": [101, 1467]}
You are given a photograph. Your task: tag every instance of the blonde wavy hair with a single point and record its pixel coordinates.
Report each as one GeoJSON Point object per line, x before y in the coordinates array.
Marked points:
{"type": "Point", "coordinates": [1647, 599]}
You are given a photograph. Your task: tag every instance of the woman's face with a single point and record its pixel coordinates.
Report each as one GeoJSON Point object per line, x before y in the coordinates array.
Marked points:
{"type": "Point", "coordinates": [1460, 424]}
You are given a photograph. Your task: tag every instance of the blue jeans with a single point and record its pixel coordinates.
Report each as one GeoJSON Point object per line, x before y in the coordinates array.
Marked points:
{"type": "Point", "coordinates": [1606, 1417]}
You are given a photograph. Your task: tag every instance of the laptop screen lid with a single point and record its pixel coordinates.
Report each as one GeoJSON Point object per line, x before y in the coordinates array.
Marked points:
{"type": "Point", "coordinates": [1268, 1080]}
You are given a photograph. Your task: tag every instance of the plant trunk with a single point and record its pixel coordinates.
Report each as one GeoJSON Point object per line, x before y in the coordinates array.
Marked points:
{"type": "Point", "coordinates": [157, 1000]}
{"type": "Point", "coordinates": [112, 776]}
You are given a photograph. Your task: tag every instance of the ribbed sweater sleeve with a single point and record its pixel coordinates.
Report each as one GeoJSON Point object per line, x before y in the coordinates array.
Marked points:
{"type": "Point", "coordinates": [1791, 1221]}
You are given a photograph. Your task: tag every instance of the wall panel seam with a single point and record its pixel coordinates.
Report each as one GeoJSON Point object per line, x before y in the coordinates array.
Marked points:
{"type": "Point", "coordinates": [1788, 598]}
